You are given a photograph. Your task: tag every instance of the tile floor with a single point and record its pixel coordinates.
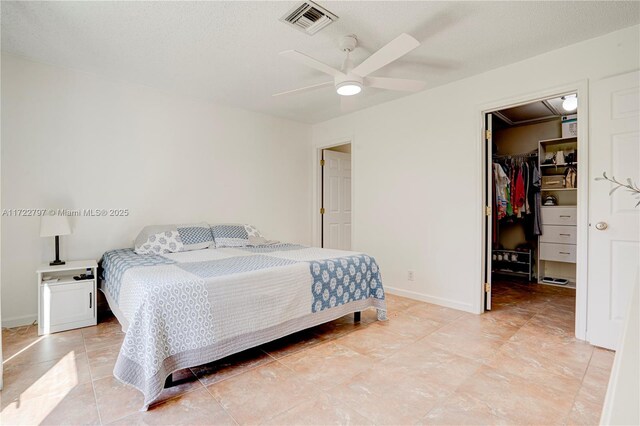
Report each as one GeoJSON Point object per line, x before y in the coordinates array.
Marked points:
{"type": "Point", "coordinates": [518, 364]}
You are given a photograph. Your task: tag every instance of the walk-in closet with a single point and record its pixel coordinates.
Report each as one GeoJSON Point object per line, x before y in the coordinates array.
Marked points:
{"type": "Point", "coordinates": [532, 200]}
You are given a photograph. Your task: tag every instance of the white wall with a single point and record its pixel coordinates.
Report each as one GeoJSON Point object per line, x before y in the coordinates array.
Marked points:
{"type": "Point", "coordinates": [621, 403]}
{"type": "Point", "coordinates": [524, 138]}
{"type": "Point", "coordinates": [74, 140]}
{"type": "Point", "coordinates": [416, 167]}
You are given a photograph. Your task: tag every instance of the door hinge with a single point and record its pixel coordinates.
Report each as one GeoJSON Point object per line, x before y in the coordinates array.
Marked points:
{"type": "Point", "coordinates": [322, 210]}
{"type": "Point", "coordinates": [487, 210]}
{"type": "Point", "coordinates": [487, 134]}
{"type": "Point", "coordinates": [321, 163]}
{"type": "Point", "coordinates": [487, 287]}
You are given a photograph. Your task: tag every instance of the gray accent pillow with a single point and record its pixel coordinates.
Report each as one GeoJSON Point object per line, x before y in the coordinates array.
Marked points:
{"type": "Point", "coordinates": [196, 236]}
{"type": "Point", "coordinates": [236, 235]}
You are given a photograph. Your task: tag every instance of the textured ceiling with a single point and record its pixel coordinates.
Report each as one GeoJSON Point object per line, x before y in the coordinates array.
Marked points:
{"type": "Point", "coordinates": [228, 51]}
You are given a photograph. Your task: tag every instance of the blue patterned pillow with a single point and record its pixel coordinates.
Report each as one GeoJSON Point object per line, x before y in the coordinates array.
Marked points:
{"type": "Point", "coordinates": [234, 234]}
{"type": "Point", "coordinates": [195, 236]}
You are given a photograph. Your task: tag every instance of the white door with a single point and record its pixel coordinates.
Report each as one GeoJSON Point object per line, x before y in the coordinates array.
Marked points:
{"type": "Point", "coordinates": [488, 236]}
{"type": "Point", "coordinates": [336, 199]}
{"type": "Point", "coordinates": [614, 221]}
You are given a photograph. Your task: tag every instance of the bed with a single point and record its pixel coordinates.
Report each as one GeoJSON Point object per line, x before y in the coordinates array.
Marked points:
{"type": "Point", "coordinates": [180, 310]}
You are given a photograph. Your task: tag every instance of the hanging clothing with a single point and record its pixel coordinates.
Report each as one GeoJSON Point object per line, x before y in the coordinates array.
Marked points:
{"type": "Point", "coordinates": [537, 204]}
{"type": "Point", "coordinates": [501, 187]}
{"type": "Point", "coordinates": [512, 190]}
{"type": "Point", "coordinates": [519, 192]}
{"type": "Point", "coordinates": [515, 192]}
{"type": "Point", "coordinates": [527, 182]}
{"type": "Point", "coordinates": [494, 208]}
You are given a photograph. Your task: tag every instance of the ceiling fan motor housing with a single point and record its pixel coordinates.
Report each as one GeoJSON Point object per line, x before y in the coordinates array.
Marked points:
{"type": "Point", "coordinates": [349, 78]}
{"type": "Point", "coordinates": [348, 43]}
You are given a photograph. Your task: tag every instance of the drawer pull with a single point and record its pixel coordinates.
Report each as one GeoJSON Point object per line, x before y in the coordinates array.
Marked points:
{"type": "Point", "coordinates": [565, 215]}
{"type": "Point", "coordinates": [90, 300]}
{"type": "Point", "coordinates": [565, 235]}
{"type": "Point", "coordinates": [564, 252]}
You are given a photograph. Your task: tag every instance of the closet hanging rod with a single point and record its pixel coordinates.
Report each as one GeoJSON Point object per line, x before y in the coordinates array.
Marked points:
{"type": "Point", "coordinates": [507, 156]}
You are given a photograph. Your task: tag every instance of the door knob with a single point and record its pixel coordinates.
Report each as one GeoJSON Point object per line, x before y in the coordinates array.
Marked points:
{"type": "Point", "coordinates": [601, 226]}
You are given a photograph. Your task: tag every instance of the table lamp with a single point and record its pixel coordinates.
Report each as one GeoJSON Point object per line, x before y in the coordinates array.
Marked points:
{"type": "Point", "coordinates": [54, 226]}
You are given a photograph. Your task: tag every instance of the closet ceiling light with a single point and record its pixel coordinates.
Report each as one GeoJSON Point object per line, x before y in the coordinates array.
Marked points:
{"type": "Point", "coordinates": [570, 102]}
{"type": "Point", "coordinates": [349, 88]}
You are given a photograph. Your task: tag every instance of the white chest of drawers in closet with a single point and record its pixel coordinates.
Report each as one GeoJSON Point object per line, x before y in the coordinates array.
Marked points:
{"type": "Point", "coordinates": [558, 239]}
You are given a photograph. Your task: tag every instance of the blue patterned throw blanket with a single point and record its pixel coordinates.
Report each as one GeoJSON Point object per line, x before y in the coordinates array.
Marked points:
{"type": "Point", "coordinates": [343, 280]}
{"type": "Point", "coordinates": [185, 309]}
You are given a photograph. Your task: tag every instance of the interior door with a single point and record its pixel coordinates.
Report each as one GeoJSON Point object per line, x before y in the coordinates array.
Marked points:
{"type": "Point", "coordinates": [488, 211]}
{"type": "Point", "coordinates": [336, 198]}
{"type": "Point", "coordinates": [614, 221]}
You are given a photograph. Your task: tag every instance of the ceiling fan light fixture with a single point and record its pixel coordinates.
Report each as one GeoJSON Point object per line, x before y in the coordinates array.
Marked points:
{"type": "Point", "coordinates": [348, 88]}
{"type": "Point", "coordinates": [570, 102]}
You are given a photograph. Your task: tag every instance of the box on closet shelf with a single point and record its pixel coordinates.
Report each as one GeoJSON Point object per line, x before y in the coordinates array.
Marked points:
{"type": "Point", "coordinates": [570, 126]}
{"type": "Point", "coordinates": [553, 182]}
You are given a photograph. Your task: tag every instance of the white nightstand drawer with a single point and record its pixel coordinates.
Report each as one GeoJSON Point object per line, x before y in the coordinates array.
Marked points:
{"type": "Point", "coordinates": [67, 306]}
{"type": "Point", "coordinates": [558, 234]}
{"type": "Point", "coordinates": [558, 252]}
{"type": "Point", "coordinates": [559, 215]}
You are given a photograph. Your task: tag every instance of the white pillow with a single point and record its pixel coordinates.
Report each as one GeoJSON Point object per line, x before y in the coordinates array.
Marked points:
{"type": "Point", "coordinates": [160, 243]}
{"type": "Point", "coordinates": [195, 236]}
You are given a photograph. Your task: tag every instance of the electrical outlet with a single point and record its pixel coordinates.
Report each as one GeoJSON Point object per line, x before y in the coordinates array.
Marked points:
{"type": "Point", "coordinates": [410, 275]}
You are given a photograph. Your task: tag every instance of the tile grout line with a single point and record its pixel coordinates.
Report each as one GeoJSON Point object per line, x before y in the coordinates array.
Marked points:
{"type": "Point", "coordinates": [220, 404]}
{"type": "Point", "coordinates": [95, 396]}
{"type": "Point", "coordinates": [575, 397]}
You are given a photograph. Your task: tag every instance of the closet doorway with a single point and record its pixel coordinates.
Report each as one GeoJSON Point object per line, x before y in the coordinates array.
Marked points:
{"type": "Point", "coordinates": [532, 200]}
{"type": "Point", "coordinates": [335, 210]}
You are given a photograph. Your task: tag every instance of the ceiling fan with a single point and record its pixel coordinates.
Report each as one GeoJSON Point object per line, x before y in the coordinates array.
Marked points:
{"type": "Point", "coordinates": [350, 80]}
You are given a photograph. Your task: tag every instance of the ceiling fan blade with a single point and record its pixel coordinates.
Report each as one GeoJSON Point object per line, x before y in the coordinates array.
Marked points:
{"type": "Point", "coordinates": [304, 89]}
{"type": "Point", "coordinates": [294, 55]}
{"type": "Point", "coordinates": [395, 84]}
{"type": "Point", "coordinates": [393, 50]}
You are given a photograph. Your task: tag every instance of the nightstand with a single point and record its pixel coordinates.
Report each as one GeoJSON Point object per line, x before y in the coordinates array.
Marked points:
{"type": "Point", "coordinates": [63, 302]}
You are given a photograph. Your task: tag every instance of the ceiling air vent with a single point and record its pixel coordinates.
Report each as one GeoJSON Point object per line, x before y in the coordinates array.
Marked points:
{"type": "Point", "coordinates": [309, 17]}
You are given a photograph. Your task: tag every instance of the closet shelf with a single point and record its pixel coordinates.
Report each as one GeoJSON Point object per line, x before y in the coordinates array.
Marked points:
{"type": "Point", "coordinates": [503, 271]}
{"type": "Point", "coordinates": [518, 267]}
{"type": "Point", "coordinates": [559, 189]}
{"type": "Point", "coordinates": [559, 165]}
{"type": "Point", "coordinates": [560, 140]}
{"type": "Point", "coordinates": [570, 284]}
{"type": "Point", "coordinates": [511, 261]}
{"type": "Point", "coordinates": [511, 251]}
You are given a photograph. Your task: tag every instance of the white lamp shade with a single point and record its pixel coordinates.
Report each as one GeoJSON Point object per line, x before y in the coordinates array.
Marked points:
{"type": "Point", "coordinates": [50, 226]}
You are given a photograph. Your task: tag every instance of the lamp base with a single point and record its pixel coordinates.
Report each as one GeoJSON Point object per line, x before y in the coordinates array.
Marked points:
{"type": "Point", "coordinates": [57, 262]}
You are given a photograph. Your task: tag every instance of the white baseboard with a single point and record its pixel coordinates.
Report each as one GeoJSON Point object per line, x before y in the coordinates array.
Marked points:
{"type": "Point", "coordinates": [448, 303]}
{"type": "Point", "coordinates": [19, 321]}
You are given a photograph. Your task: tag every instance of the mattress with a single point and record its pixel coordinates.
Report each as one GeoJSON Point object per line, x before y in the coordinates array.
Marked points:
{"type": "Point", "coordinates": [180, 310]}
